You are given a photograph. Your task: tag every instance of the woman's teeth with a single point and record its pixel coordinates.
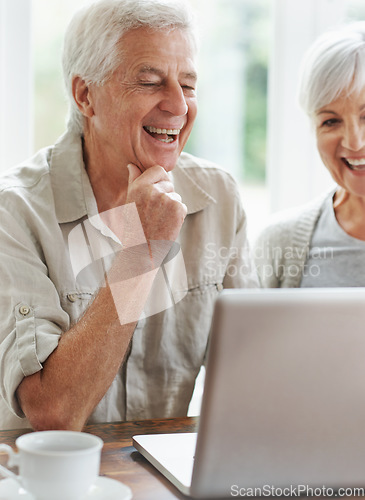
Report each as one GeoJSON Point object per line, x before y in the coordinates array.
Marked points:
{"type": "Point", "coordinates": [358, 164]}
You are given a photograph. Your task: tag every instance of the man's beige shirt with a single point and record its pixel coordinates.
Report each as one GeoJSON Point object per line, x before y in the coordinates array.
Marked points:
{"type": "Point", "coordinates": [45, 289]}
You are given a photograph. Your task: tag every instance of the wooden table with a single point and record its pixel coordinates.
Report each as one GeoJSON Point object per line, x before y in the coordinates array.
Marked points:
{"type": "Point", "coordinates": [120, 461]}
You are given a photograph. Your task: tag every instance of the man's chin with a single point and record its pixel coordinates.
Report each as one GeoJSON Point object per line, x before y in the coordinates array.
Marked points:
{"type": "Point", "coordinates": [167, 163]}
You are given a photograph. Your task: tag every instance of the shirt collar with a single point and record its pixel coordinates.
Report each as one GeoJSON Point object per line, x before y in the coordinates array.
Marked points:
{"type": "Point", "coordinates": [68, 178]}
{"type": "Point", "coordinates": [191, 192]}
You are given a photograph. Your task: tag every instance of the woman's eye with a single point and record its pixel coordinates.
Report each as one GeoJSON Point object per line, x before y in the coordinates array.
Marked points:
{"type": "Point", "coordinates": [330, 123]}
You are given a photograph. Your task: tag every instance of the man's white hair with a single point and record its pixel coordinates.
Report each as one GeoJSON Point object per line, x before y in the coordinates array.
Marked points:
{"type": "Point", "coordinates": [334, 64]}
{"type": "Point", "coordinates": [91, 40]}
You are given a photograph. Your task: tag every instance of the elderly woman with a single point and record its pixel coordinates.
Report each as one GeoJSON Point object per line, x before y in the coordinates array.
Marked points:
{"type": "Point", "coordinates": [322, 244]}
{"type": "Point", "coordinates": [94, 328]}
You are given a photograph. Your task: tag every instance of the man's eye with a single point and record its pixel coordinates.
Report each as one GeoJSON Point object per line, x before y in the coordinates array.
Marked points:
{"type": "Point", "coordinates": [149, 84]}
{"type": "Point", "coordinates": [188, 89]}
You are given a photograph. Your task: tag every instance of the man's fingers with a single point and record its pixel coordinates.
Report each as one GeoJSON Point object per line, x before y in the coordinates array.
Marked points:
{"type": "Point", "coordinates": [152, 175]}
{"type": "Point", "coordinates": [134, 172]}
{"type": "Point", "coordinates": [174, 196]}
{"type": "Point", "coordinates": [160, 208]}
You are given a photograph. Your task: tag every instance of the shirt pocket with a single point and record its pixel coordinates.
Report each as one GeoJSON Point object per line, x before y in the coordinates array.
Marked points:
{"type": "Point", "coordinates": [193, 320]}
{"type": "Point", "coordinates": [207, 287]}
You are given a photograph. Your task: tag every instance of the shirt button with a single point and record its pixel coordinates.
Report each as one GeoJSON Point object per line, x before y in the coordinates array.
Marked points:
{"type": "Point", "coordinates": [24, 310]}
{"type": "Point", "coordinates": [72, 297]}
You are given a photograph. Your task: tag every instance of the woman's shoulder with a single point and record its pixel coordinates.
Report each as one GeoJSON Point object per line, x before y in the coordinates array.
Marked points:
{"type": "Point", "coordinates": [287, 235]}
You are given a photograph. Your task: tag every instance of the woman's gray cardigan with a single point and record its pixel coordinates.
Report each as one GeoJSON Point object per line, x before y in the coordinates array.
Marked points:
{"type": "Point", "coordinates": [281, 249]}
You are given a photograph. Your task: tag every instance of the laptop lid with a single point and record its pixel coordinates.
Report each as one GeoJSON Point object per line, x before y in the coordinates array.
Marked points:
{"type": "Point", "coordinates": [284, 396]}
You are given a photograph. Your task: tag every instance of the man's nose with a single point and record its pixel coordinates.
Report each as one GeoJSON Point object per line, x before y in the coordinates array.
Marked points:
{"type": "Point", "coordinates": [174, 100]}
{"type": "Point", "coordinates": [354, 136]}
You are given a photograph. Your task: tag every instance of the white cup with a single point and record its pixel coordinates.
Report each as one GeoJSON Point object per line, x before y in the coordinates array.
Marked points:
{"type": "Point", "coordinates": [55, 465]}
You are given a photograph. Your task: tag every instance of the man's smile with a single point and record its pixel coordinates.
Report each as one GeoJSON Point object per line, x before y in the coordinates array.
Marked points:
{"type": "Point", "coordinates": [163, 134]}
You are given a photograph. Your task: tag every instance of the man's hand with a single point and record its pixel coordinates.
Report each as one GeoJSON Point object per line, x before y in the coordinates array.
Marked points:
{"type": "Point", "coordinates": [160, 208]}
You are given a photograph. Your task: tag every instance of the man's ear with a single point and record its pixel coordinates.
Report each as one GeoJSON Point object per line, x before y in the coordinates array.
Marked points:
{"type": "Point", "coordinates": [81, 94]}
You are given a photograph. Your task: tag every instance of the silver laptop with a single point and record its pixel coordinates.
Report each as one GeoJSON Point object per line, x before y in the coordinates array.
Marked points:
{"type": "Point", "coordinates": [284, 398]}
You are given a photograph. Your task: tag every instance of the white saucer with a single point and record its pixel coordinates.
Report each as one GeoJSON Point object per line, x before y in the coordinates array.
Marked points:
{"type": "Point", "coordinates": [104, 488]}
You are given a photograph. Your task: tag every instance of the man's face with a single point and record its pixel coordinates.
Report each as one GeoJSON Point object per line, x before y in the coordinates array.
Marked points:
{"type": "Point", "coordinates": [144, 114]}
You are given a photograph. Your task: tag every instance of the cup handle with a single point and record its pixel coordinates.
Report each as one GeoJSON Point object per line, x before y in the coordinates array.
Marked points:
{"type": "Point", "coordinates": [12, 461]}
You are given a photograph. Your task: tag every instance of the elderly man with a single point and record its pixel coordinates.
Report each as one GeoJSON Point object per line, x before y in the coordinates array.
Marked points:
{"type": "Point", "coordinates": [114, 244]}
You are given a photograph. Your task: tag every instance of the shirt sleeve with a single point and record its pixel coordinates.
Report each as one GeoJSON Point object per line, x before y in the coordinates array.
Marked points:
{"type": "Point", "coordinates": [31, 316]}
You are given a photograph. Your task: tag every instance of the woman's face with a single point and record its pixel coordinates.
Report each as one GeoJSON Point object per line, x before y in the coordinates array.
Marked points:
{"type": "Point", "coordinates": [340, 131]}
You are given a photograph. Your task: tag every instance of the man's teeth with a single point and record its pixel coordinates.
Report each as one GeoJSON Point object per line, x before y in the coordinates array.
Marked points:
{"type": "Point", "coordinates": [168, 131]}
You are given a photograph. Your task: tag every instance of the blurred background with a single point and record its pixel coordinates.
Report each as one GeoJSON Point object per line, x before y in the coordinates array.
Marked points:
{"type": "Point", "coordinates": [248, 120]}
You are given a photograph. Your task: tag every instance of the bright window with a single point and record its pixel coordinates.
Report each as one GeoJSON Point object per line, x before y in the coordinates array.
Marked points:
{"type": "Point", "coordinates": [50, 18]}
{"type": "Point", "coordinates": [16, 87]}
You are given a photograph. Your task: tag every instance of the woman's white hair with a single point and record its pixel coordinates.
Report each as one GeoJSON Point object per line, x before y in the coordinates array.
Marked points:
{"type": "Point", "coordinates": [90, 48]}
{"type": "Point", "coordinates": [334, 64]}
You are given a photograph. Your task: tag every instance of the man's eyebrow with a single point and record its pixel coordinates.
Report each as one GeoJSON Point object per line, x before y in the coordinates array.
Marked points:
{"type": "Point", "coordinates": [150, 70]}
{"type": "Point", "coordinates": [191, 75]}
